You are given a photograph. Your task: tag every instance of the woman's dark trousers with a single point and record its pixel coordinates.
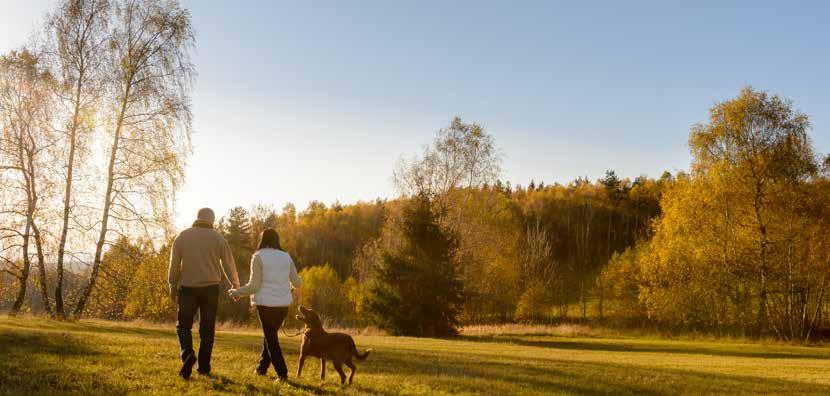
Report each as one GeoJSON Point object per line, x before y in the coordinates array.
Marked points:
{"type": "Point", "coordinates": [204, 300]}
{"type": "Point", "coordinates": [271, 319]}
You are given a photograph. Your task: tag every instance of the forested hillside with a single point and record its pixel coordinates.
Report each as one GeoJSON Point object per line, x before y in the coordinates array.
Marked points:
{"type": "Point", "coordinates": [95, 126]}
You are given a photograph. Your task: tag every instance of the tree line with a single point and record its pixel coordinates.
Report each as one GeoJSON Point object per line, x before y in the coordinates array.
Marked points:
{"type": "Point", "coordinates": [504, 253]}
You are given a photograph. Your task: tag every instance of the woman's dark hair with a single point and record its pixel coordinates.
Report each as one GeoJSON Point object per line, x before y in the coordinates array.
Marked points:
{"type": "Point", "coordinates": [269, 239]}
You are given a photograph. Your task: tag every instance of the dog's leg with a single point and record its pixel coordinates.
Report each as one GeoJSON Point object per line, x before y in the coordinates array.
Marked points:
{"type": "Point", "coordinates": [300, 366]}
{"type": "Point", "coordinates": [352, 367]}
{"type": "Point", "coordinates": [338, 365]}
{"type": "Point", "coordinates": [322, 369]}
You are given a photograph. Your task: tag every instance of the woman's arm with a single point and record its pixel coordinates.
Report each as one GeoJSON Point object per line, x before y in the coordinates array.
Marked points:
{"type": "Point", "coordinates": [229, 265]}
{"type": "Point", "coordinates": [255, 283]}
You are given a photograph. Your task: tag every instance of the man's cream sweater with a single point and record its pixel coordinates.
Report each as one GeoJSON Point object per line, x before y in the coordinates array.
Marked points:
{"type": "Point", "coordinates": [199, 257]}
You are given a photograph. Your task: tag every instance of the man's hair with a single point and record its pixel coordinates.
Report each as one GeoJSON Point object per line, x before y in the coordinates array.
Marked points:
{"type": "Point", "coordinates": [206, 215]}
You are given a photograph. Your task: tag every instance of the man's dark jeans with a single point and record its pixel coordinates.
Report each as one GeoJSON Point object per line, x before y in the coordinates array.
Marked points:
{"type": "Point", "coordinates": [205, 301]}
{"type": "Point", "coordinates": [271, 319]}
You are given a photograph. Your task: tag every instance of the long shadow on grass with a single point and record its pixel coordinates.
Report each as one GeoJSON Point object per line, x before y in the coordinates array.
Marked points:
{"type": "Point", "coordinates": [492, 373]}
{"type": "Point", "coordinates": [460, 372]}
{"type": "Point", "coordinates": [92, 327]}
{"type": "Point", "coordinates": [622, 346]}
{"type": "Point", "coordinates": [317, 390]}
{"type": "Point", "coordinates": [35, 364]}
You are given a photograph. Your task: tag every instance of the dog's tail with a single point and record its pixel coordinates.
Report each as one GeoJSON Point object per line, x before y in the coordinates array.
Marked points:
{"type": "Point", "coordinates": [358, 355]}
{"type": "Point", "coordinates": [363, 356]}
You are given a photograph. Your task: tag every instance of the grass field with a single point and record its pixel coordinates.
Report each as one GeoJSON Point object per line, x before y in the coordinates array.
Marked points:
{"type": "Point", "coordinates": [38, 356]}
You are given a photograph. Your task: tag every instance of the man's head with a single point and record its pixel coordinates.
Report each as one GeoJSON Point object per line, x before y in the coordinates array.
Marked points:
{"type": "Point", "coordinates": [206, 215]}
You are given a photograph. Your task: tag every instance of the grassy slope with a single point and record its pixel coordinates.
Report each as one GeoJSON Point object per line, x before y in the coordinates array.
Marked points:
{"type": "Point", "coordinates": [40, 356]}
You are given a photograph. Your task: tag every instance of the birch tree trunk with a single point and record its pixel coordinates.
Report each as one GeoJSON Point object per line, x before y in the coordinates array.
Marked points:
{"type": "Point", "coordinates": [79, 33]}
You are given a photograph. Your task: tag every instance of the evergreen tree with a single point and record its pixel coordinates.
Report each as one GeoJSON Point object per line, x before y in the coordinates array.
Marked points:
{"type": "Point", "coordinates": [417, 289]}
{"type": "Point", "coordinates": [612, 184]}
{"type": "Point", "coordinates": [236, 228]}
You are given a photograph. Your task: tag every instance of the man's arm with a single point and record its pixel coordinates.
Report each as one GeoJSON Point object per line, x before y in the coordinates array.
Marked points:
{"type": "Point", "coordinates": [293, 276]}
{"type": "Point", "coordinates": [175, 269]}
{"type": "Point", "coordinates": [229, 265]}
{"type": "Point", "coordinates": [295, 280]}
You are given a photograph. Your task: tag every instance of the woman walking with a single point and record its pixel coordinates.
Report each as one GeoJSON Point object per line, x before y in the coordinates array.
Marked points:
{"type": "Point", "coordinates": [273, 278]}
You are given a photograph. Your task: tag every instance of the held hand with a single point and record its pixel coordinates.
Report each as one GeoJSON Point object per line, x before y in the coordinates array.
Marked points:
{"type": "Point", "coordinates": [234, 295]}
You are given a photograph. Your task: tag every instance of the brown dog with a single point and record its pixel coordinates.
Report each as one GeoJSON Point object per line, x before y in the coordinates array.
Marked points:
{"type": "Point", "coordinates": [337, 347]}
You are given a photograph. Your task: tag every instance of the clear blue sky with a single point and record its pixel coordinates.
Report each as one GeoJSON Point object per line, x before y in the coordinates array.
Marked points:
{"type": "Point", "coordinates": [317, 100]}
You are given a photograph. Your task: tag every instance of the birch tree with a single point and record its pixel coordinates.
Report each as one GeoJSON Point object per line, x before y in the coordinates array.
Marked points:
{"type": "Point", "coordinates": [78, 38]}
{"type": "Point", "coordinates": [760, 140]}
{"type": "Point", "coordinates": [25, 102]}
{"type": "Point", "coordinates": [462, 155]}
{"type": "Point", "coordinates": [13, 226]}
{"type": "Point", "coordinates": [537, 270]}
{"type": "Point", "coordinates": [150, 78]}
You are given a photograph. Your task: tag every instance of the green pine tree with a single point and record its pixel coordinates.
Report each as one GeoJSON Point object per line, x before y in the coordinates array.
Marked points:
{"type": "Point", "coordinates": [236, 228]}
{"type": "Point", "coordinates": [417, 289]}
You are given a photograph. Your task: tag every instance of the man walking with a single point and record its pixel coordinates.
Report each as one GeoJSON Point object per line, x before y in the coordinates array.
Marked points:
{"type": "Point", "coordinates": [194, 276]}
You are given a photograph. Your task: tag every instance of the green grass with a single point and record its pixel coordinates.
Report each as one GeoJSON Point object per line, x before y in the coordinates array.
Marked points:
{"type": "Point", "coordinates": [39, 356]}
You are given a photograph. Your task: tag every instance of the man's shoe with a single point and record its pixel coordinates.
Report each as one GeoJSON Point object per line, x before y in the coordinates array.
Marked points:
{"type": "Point", "coordinates": [260, 372]}
{"type": "Point", "coordinates": [202, 372]}
{"type": "Point", "coordinates": [282, 380]}
{"type": "Point", "coordinates": [187, 366]}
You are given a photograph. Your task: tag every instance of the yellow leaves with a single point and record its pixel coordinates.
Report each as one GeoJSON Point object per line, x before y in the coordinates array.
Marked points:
{"type": "Point", "coordinates": [356, 294]}
{"type": "Point", "coordinates": [735, 225]}
{"type": "Point", "coordinates": [323, 291]}
{"type": "Point", "coordinates": [148, 296]}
